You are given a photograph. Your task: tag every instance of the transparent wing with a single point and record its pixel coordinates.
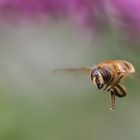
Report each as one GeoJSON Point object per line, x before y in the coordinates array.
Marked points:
{"type": "Point", "coordinates": [72, 76]}
{"type": "Point", "coordinates": [135, 76]}
{"type": "Point", "coordinates": [73, 70]}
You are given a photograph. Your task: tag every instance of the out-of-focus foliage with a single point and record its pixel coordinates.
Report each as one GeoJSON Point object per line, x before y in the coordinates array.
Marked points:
{"type": "Point", "coordinates": [35, 103]}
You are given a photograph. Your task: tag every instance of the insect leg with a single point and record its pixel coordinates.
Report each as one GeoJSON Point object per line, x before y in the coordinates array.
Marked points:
{"type": "Point", "coordinates": [106, 86]}
{"type": "Point", "coordinates": [116, 83]}
{"type": "Point", "coordinates": [121, 91]}
{"type": "Point", "coordinates": [112, 98]}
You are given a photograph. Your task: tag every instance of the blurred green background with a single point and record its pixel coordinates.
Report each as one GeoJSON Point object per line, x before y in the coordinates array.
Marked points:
{"type": "Point", "coordinates": [36, 105]}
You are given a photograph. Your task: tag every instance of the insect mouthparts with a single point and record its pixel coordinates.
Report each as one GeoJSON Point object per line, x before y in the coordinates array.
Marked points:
{"type": "Point", "coordinates": [100, 86]}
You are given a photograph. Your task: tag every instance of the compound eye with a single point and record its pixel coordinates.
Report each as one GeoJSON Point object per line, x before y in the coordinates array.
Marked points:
{"type": "Point", "coordinates": [106, 75]}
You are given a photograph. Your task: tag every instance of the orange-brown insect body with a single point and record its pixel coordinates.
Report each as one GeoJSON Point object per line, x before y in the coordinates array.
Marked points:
{"type": "Point", "coordinates": [109, 74]}
{"type": "Point", "coordinates": [117, 68]}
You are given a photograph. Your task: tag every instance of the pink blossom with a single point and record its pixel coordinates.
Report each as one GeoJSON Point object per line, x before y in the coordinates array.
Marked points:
{"type": "Point", "coordinates": [78, 11]}
{"type": "Point", "coordinates": [126, 14]}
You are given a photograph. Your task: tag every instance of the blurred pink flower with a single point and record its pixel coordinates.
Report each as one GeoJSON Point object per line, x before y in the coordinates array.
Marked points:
{"type": "Point", "coordinates": [88, 13]}
{"type": "Point", "coordinates": [125, 14]}
{"type": "Point", "coordinates": [79, 11]}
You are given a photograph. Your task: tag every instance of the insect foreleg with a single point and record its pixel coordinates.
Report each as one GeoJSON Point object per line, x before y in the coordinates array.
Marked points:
{"type": "Point", "coordinates": [121, 91]}
{"type": "Point", "coordinates": [116, 83]}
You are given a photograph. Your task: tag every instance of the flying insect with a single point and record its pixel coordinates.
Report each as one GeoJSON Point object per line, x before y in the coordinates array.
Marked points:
{"type": "Point", "coordinates": [107, 75]}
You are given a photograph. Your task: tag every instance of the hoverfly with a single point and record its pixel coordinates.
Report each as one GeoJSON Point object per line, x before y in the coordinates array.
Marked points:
{"type": "Point", "coordinates": [107, 76]}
